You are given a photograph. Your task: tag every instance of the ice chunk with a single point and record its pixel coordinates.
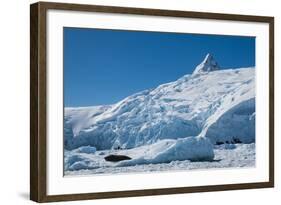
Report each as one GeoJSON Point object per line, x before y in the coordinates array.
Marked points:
{"type": "Point", "coordinates": [78, 165]}
{"type": "Point", "coordinates": [87, 149]}
{"type": "Point", "coordinates": [190, 148]}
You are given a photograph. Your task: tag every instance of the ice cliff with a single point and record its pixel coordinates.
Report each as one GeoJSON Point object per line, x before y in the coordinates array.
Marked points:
{"type": "Point", "coordinates": [211, 103]}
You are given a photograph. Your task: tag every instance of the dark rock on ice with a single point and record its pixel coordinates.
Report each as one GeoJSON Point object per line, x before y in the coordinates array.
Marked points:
{"type": "Point", "coordinates": [116, 158]}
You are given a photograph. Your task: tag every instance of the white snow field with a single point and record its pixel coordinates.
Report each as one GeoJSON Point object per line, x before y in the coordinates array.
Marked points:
{"type": "Point", "coordinates": [226, 156]}
{"type": "Point", "coordinates": [202, 120]}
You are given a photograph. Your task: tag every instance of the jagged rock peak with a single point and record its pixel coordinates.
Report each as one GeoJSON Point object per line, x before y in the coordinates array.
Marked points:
{"type": "Point", "coordinates": [207, 65]}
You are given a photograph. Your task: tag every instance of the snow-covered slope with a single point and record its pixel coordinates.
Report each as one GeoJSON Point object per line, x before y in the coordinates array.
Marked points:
{"type": "Point", "coordinates": [212, 103]}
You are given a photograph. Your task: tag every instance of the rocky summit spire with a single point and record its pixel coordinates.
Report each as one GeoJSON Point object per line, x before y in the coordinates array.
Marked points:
{"type": "Point", "coordinates": [207, 65]}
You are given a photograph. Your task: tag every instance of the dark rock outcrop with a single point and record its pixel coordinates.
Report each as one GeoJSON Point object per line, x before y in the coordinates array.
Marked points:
{"type": "Point", "coordinates": [116, 158]}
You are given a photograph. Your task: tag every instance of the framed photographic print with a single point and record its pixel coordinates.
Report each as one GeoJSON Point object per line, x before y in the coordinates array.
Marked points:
{"type": "Point", "coordinates": [134, 102]}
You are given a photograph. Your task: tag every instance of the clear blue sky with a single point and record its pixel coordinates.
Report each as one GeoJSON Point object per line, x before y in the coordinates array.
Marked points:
{"type": "Point", "coordinates": [104, 66]}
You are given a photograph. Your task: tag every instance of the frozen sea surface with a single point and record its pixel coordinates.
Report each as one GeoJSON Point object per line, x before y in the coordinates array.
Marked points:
{"type": "Point", "coordinates": [226, 156]}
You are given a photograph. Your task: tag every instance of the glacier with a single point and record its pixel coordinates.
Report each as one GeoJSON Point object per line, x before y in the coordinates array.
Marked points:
{"type": "Point", "coordinates": [211, 106]}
